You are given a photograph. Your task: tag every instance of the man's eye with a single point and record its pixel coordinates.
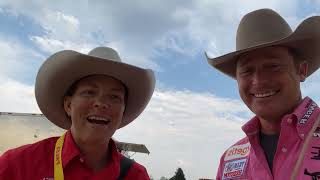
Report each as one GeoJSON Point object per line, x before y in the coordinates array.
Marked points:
{"type": "Point", "coordinates": [245, 72]}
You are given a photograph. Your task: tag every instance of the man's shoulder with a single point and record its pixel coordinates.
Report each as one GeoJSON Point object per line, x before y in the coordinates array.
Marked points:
{"type": "Point", "coordinates": [241, 142]}
{"type": "Point", "coordinates": [237, 150]}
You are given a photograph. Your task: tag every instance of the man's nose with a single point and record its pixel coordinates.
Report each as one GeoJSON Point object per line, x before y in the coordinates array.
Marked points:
{"type": "Point", "coordinates": [259, 77]}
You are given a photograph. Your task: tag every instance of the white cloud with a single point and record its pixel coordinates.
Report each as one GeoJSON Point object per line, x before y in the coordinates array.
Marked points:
{"type": "Point", "coordinates": [311, 87]}
{"type": "Point", "coordinates": [60, 24]}
{"type": "Point", "coordinates": [140, 28]}
{"type": "Point", "coordinates": [93, 24]}
{"type": "Point", "coordinates": [51, 46]}
{"type": "Point", "coordinates": [212, 25]}
{"type": "Point", "coordinates": [17, 59]}
{"type": "Point", "coordinates": [17, 97]}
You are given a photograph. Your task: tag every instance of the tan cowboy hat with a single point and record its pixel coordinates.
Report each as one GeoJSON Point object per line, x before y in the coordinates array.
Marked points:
{"type": "Point", "coordinates": [265, 27]}
{"type": "Point", "coordinates": [63, 68]}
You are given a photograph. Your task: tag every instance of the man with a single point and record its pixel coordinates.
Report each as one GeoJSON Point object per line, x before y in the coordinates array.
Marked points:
{"type": "Point", "coordinates": [91, 96]}
{"type": "Point", "coordinates": [282, 141]}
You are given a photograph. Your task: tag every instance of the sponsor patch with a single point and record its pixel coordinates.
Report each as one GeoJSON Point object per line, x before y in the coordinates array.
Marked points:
{"type": "Point", "coordinates": [238, 151]}
{"type": "Point", "coordinates": [309, 112]}
{"type": "Point", "coordinates": [234, 168]}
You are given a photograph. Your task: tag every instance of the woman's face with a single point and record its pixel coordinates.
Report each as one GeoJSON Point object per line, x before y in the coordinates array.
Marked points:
{"type": "Point", "coordinates": [96, 108]}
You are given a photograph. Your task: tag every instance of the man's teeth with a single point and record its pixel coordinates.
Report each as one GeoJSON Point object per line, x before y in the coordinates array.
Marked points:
{"type": "Point", "coordinates": [261, 95]}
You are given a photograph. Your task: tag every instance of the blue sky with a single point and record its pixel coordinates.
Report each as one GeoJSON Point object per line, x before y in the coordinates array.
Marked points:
{"type": "Point", "coordinates": [195, 112]}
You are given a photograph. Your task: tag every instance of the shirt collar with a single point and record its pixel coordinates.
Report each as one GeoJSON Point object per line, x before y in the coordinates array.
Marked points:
{"type": "Point", "coordinates": [70, 150]}
{"type": "Point", "coordinates": [306, 114]}
{"type": "Point", "coordinates": [252, 127]}
{"type": "Point", "coordinates": [303, 117]}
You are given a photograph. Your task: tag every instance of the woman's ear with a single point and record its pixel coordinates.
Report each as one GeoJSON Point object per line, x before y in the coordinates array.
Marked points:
{"type": "Point", "coordinates": [67, 105]}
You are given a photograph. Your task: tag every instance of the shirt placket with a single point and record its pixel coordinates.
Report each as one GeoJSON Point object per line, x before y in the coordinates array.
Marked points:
{"type": "Point", "coordinates": [287, 139]}
{"type": "Point", "coordinates": [260, 167]}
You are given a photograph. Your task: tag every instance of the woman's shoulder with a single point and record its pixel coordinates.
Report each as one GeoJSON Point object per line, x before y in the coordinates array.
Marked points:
{"type": "Point", "coordinates": [138, 171]}
{"type": "Point", "coordinates": [36, 149]}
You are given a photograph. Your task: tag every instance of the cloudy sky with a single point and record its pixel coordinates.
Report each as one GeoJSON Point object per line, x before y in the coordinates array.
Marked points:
{"type": "Point", "coordinates": [195, 112]}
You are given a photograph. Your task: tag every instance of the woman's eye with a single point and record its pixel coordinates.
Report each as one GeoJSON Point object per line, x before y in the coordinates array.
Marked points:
{"type": "Point", "coordinates": [116, 97]}
{"type": "Point", "coordinates": [87, 92]}
{"type": "Point", "coordinates": [274, 67]}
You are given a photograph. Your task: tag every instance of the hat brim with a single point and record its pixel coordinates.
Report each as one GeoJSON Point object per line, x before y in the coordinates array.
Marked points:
{"type": "Point", "coordinates": [64, 68]}
{"type": "Point", "coordinates": [305, 40]}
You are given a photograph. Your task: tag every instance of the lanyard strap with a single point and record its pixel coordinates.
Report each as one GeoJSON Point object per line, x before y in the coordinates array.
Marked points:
{"type": "Point", "coordinates": [58, 171]}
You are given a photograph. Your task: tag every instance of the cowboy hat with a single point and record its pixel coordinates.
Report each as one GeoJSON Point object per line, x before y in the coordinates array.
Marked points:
{"type": "Point", "coordinates": [264, 28]}
{"type": "Point", "coordinates": [64, 68]}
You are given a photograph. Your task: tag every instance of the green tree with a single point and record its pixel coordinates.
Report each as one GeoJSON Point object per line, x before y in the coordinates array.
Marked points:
{"type": "Point", "coordinates": [179, 175]}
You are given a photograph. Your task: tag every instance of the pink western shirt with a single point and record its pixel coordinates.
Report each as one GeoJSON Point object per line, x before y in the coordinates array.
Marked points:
{"type": "Point", "coordinates": [297, 155]}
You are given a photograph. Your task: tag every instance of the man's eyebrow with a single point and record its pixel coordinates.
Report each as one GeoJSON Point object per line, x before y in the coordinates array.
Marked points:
{"type": "Point", "coordinates": [244, 61]}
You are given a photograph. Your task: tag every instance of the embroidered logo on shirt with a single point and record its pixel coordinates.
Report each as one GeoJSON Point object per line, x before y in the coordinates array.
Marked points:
{"type": "Point", "coordinates": [314, 175]}
{"type": "Point", "coordinates": [316, 153]}
{"type": "Point", "coordinates": [317, 132]}
{"type": "Point", "coordinates": [307, 115]}
{"type": "Point", "coordinates": [238, 151]}
{"type": "Point", "coordinates": [234, 168]}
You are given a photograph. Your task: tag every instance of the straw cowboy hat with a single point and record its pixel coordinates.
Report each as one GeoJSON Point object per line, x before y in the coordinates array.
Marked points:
{"type": "Point", "coordinates": [265, 27]}
{"type": "Point", "coordinates": [63, 68]}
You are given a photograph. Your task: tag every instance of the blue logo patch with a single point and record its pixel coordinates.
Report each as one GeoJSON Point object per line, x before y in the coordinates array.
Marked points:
{"type": "Point", "coordinates": [234, 168]}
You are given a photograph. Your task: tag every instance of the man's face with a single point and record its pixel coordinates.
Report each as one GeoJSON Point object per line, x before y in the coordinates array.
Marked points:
{"type": "Point", "coordinates": [96, 108]}
{"type": "Point", "coordinates": [269, 81]}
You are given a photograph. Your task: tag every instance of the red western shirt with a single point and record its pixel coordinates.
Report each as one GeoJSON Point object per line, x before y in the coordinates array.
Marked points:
{"type": "Point", "coordinates": [35, 162]}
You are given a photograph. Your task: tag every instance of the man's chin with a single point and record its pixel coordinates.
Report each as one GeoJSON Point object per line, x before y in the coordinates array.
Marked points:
{"type": "Point", "coordinates": [267, 114]}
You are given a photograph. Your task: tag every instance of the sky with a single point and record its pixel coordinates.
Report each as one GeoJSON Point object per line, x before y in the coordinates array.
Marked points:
{"type": "Point", "coordinates": [195, 113]}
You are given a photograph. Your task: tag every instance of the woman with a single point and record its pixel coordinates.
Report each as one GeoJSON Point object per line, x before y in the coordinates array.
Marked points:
{"type": "Point", "coordinates": [91, 96]}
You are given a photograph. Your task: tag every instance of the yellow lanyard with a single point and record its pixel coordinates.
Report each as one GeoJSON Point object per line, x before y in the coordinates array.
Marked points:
{"type": "Point", "coordinates": [58, 171]}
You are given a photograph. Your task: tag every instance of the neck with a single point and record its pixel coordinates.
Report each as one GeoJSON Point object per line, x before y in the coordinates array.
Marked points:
{"type": "Point", "coordinates": [95, 153]}
{"type": "Point", "coordinates": [270, 127]}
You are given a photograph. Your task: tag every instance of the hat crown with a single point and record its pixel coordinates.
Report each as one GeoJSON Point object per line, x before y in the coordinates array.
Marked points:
{"type": "Point", "coordinates": [105, 53]}
{"type": "Point", "coordinates": [260, 27]}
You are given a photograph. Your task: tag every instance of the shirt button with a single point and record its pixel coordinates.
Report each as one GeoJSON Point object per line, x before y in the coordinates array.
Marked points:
{"type": "Point", "coordinates": [302, 135]}
{"type": "Point", "coordinates": [81, 160]}
{"type": "Point", "coordinates": [284, 149]}
{"type": "Point", "coordinates": [289, 121]}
